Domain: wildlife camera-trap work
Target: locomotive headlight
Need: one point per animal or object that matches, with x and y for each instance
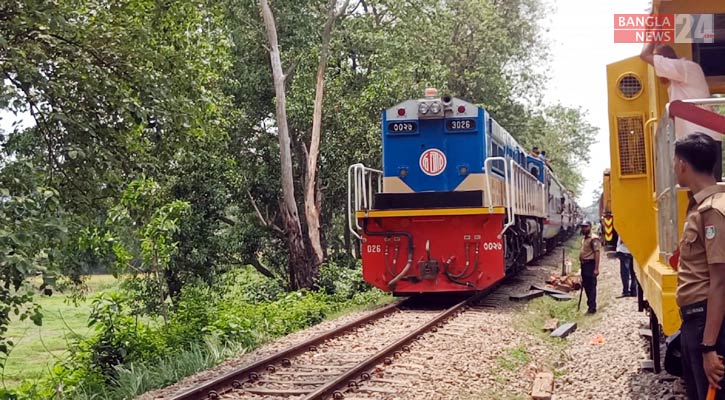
(435, 108)
(423, 108)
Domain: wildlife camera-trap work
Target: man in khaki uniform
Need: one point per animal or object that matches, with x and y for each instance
(589, 258)
(701, 270)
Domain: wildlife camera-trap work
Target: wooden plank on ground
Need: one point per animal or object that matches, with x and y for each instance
(543, 386)
(564, 330)
(526, 296)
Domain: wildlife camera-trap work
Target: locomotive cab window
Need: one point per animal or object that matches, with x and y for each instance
(710, 55)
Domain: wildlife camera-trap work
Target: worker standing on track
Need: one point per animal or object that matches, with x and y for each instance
(701, 271)
(626, 270)
(589, 258)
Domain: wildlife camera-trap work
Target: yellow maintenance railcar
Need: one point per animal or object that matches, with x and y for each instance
(649, 207)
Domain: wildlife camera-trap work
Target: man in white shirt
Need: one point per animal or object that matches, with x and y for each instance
(626, 270)
(686, 81)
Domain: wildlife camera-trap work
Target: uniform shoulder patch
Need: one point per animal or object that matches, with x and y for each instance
(710, 232)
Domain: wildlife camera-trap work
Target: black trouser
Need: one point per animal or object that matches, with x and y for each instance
(626, 271)
(589, 282)
(691, 332)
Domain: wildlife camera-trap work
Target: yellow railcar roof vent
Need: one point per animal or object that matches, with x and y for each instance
(629, 85)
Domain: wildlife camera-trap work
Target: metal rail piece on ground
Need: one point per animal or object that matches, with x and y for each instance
(234, 379)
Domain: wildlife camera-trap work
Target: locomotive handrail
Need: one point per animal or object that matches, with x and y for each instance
(689, 111)
(707, 101)
(359, 180)
(665, 183)
(521, 170)
(665, 194)
(507, 184)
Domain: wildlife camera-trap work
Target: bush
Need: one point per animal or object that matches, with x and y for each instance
(342, 280)
(127, 356)
(248, 285)
(196, 308)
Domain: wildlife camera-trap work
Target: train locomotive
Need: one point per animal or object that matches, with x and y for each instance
(458, 204)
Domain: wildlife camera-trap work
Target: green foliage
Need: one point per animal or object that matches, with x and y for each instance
(127, 355)
(144, 229)
(121, 338)
(152, 153)
(32, 234)
(342, 281)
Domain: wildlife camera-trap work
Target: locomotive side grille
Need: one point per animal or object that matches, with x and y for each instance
(632, 154)
(629, 86)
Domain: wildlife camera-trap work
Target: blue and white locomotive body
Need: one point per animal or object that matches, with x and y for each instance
(460, 202)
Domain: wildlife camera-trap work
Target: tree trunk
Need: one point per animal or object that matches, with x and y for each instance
(312, 204)
(301, 272)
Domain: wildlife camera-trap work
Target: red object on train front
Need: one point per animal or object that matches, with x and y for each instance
(450, 252)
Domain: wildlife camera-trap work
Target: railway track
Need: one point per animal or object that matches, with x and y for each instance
(345, 362)
(327, 366)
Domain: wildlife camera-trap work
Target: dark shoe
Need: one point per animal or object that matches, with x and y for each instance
(632, 294)
(623, 295)
(590, 311)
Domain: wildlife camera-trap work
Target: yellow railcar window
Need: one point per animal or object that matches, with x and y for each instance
(632, 156)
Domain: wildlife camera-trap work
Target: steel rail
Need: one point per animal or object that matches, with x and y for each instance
(235, 379)
(332, 387)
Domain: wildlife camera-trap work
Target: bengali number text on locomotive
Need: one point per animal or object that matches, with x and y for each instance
(402, 127)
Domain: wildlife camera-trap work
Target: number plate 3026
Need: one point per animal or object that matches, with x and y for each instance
(461, 125)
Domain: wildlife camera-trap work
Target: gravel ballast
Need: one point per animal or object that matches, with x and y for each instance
(495, 349)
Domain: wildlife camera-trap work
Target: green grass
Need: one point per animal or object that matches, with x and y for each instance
(514, 358)
(39, 347)
(535, 313)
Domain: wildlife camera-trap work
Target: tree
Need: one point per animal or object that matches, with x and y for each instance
(32, 233)
(563, 132)
(303, 263)
(300, 273)
(312, 199)
(116, 92)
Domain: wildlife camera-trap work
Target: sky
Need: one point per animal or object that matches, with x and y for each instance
(582, 44)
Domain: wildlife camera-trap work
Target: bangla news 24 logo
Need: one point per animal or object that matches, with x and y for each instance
(664, 28)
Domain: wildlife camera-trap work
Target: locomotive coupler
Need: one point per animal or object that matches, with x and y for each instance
(429, 268)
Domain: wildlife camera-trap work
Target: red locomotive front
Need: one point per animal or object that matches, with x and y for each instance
(415, 251)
